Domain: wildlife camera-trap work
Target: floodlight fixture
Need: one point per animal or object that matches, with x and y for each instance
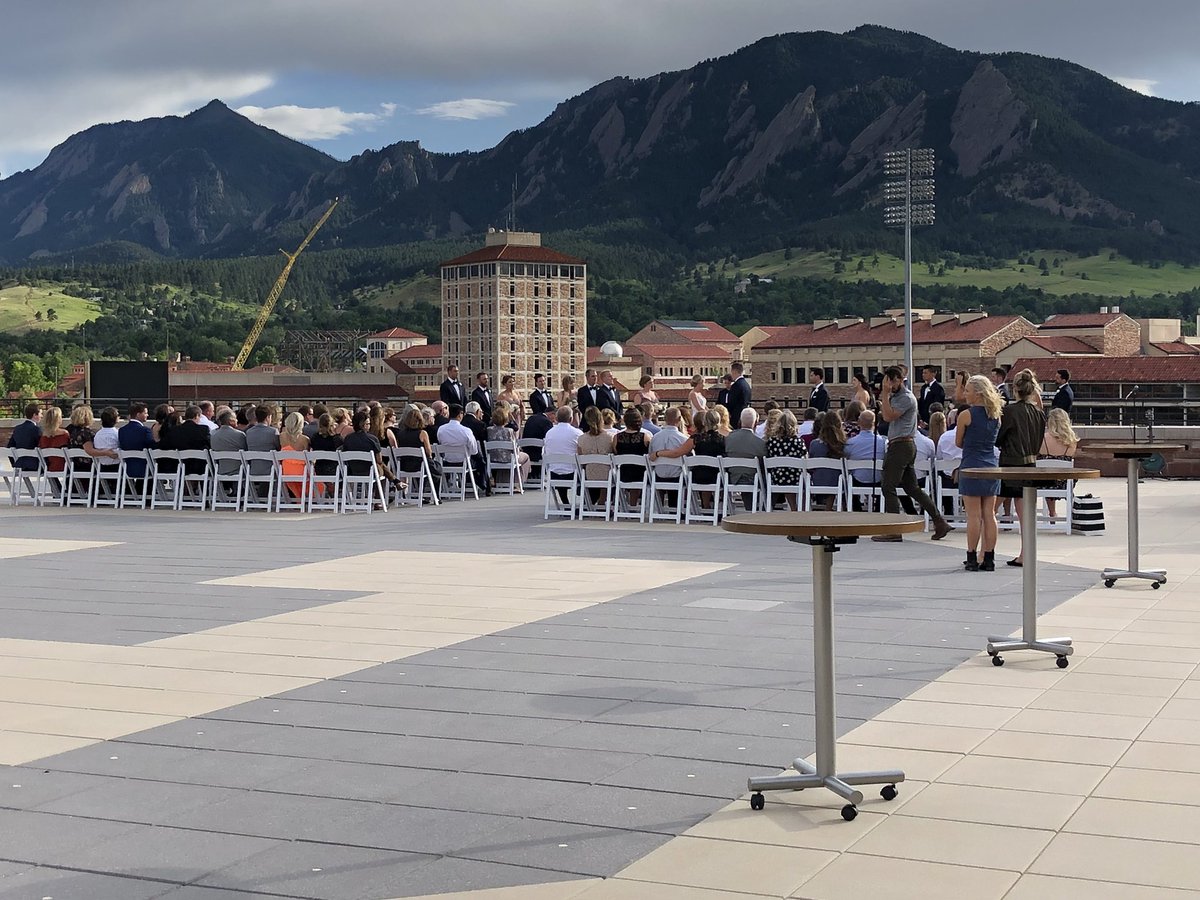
(908, 198)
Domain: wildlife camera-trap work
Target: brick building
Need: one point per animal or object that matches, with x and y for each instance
(418, 370)
(950, 342)
(384, 344)
(514, 306)
(1110, 333)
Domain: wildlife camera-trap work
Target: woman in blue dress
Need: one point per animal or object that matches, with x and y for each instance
(976, 435)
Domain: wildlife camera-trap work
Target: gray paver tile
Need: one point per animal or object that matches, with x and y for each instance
(169, 854)
(684, 776)
(350, 781)
(132, 800)
(64, 884)
(419, 830)
(578, 849)
(610, 806)
(322, 871)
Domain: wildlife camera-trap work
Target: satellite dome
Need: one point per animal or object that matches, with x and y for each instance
(611, 349)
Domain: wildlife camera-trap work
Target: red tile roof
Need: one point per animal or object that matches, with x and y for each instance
(420, 351)
(514, 253)
(1118, 369)
(677, 351)
(700, 331)
(1177, 348)
(399, 366)
(862, 334)
(1081, 320)
(395, 333)
(1061, 343)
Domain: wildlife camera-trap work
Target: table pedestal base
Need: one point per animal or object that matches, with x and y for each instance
(1059, 646)
(824, 773)
(842, 784)
(1132, 569)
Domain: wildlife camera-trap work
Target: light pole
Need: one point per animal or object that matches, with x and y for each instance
(908, 201)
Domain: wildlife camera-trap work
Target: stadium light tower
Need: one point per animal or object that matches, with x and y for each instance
(908, 201)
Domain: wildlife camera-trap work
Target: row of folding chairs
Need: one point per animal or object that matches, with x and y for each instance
(706, 488)
(241, 480)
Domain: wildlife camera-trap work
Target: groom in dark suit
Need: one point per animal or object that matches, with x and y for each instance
(739, 392)
(589, 394)
(540, 400)
(819, 398)
(483, 396)
(452, 392)
(608, 397)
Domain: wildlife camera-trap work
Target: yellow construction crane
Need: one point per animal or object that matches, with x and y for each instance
(269, 304)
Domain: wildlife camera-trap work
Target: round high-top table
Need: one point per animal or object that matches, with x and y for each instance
(825, 532)
(1030, 478)
(1134, 453)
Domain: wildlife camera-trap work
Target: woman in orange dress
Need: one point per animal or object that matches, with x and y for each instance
(292, 438)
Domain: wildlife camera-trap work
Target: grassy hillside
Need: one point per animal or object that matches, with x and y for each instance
(404, 293)
(21, 304)
(1107, 277)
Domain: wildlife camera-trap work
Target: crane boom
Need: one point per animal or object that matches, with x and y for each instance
(273, 297)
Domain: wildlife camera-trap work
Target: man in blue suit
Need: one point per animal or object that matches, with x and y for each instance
(739, 393)
(135, 435)
(26, 436)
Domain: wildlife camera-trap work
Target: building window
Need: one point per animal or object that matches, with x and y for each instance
(512, 362)
(512, 289)
(537, 309)
(572, 292)
(512, 346)
(843, 375)
(828, 374)
(512, 326)
(787, 375)
(535, 290)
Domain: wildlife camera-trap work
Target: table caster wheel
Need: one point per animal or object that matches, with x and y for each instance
(849, 812)
(757, 801)
(992, 652)
(1109, 582)
(1062, 662)
(889, 792)
(997, 659)
(1156, 584)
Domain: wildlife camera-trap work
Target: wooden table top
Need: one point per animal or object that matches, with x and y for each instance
(1029, 473)
(823, 524)
(1129, 449)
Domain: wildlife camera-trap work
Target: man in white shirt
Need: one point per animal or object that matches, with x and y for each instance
(925, 448)
(760, 430)
(456, 440)
(206, 415)
(561, 440)
(809, 423)
(668, 438)
(106, 438)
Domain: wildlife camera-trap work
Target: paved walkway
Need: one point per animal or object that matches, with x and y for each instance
(469, 700)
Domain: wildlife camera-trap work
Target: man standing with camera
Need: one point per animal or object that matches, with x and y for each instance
(898, 407)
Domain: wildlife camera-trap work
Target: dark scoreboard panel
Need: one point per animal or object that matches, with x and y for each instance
(115, 380)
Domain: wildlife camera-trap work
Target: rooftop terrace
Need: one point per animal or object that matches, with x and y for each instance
(470, 702)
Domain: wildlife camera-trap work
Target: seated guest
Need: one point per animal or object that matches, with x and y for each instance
(161, 413)
(501, 431)
(537, 427)
(782, 441)
(808, 423)
(411, 435)
(707, 442)
(135, 436)
(190, 434)
(562, 440)
(27, 434)
(312, 421)
(107, 438)
(724, 426)
(595, 441)
(207, 414)
(670, 437)
(850, 415)
(761, 429)
(292, 439)
(441, 415)
(362, 441)
(53, 437)
(866, 446)
(818, 421)
(743, 443)
(473, 421)
(633, 441)
(228, 438)
(648, 423)
(458, 442)
(830, 443)
(342, 424)
(82, 436)
(608, 422)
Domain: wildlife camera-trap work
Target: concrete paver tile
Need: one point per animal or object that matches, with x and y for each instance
(1025, 774)
(1137, 819)
(853, 876)
(954, 842)
(1039, 887)
(1054, 747)
(993, 806)
(1153, 863)
(944, 738)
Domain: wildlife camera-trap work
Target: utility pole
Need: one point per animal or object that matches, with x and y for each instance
(908, 201)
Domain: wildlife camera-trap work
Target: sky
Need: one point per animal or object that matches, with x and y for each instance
(349, 75)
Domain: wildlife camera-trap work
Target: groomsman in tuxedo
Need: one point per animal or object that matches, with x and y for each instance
(723, 392)
(819, 398)
(483, 396)
(540, 400)
(739, 392)
(608, 397)
(589, 394)
(452, 392)
(931, 392)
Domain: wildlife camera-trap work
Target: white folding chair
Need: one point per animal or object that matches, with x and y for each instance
(944, 479)
(533, 446)
(51, 479)
(106, 482)
(291, 487)
(693, 508)
(816, 472)
(562, 486)
(325, 480)
(81, 478)
(495, 453)
(1064, 495)
(457, 477)
(228, 480)
(133, 490)
(163, 473)
(258, 480)
(193, 481)
(631, 481)
(772, 467)
(735, 487)
(663, 486)
(19, 481)
(871, 494)
(362, 484)
(417, 473)
(589, 507)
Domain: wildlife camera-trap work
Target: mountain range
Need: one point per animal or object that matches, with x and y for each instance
(778, 144)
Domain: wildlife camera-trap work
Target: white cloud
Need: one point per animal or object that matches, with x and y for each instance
(315, 123)
(1141, 85)
(467, 108)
